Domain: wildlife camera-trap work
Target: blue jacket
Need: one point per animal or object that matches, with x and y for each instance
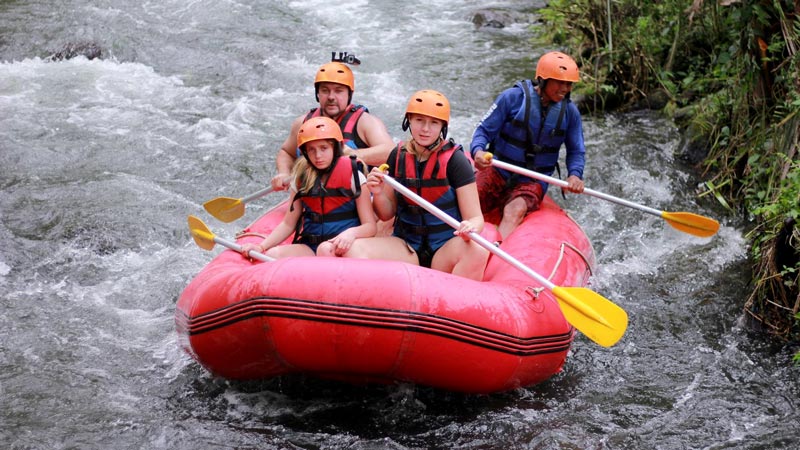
(503, 132)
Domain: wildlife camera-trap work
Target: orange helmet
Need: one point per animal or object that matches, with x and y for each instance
(429, 103)
(557, 66)
(335, 72)
(318, 128)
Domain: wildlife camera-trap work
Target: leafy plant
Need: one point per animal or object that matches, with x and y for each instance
(735, 65)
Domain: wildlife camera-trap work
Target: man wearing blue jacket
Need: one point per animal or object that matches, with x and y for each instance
(526, 126)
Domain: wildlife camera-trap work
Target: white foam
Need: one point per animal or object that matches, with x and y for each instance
(5, 269)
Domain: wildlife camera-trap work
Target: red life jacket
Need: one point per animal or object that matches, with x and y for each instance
(415, 224)
(348, 122)
(329, 210)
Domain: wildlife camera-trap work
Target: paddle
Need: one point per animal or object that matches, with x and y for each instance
(205, 239)
(228, 209)
(684, 221)
(598, 318)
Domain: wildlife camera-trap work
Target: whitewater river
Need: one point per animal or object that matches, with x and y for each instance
(102, 160)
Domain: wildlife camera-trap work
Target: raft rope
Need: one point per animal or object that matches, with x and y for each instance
(245, 233)
(561, 252)
(536, 291)
(561, 257)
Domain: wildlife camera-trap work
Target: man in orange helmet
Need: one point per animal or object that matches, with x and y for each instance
(526, 126)
(364, 134)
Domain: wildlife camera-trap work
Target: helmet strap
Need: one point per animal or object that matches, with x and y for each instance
(436, 144)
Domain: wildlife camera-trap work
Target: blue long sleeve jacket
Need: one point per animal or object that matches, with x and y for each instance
(497, 124)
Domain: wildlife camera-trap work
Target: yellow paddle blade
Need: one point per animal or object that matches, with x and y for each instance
(203, 237)
(692, 223)
(226, 209)
(598, 318)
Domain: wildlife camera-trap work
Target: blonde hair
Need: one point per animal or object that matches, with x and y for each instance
(415, 149)
(306, 175)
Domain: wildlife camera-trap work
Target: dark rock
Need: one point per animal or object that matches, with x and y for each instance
(683, 116)
(500, 18)
(90, 50)
(695, 146)
(657, 99)
(606, 101)
(786, 254)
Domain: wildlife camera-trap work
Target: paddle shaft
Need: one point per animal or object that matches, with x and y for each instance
(258, 194)
(562, 183)
(236, 247)
(205, 238)
(480, 240)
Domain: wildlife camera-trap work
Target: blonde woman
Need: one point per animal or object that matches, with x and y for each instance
(329, 210)
(437, 169)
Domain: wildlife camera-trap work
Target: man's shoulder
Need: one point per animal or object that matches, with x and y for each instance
(512, 94)
(299, 120)
(370, 119)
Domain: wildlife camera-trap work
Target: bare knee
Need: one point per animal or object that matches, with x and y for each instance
(325, 249)
(474, 262)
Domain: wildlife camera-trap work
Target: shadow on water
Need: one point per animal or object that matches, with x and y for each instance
(410, 416)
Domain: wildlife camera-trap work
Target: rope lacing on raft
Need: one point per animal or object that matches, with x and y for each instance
(564, 245)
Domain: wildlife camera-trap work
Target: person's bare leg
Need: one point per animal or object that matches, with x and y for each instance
(389, 247)
(513, 213)
(283, 251)
(462, 258)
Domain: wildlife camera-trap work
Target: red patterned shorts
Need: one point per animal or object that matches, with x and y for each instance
(494, 194)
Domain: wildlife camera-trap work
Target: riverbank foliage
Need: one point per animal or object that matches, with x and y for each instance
(728, 72)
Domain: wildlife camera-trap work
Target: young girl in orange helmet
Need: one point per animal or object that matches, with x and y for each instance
(329, 209)
(438, 170)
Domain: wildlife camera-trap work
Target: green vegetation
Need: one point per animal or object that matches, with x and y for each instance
(728, 72)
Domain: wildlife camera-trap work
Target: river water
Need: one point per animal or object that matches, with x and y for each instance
(102, 160)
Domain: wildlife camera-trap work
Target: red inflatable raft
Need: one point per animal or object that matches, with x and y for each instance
(365, 321)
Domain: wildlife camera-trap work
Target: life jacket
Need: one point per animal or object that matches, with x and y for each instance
(530, 139)
(348, 122)
(328, 210)
(428, 179)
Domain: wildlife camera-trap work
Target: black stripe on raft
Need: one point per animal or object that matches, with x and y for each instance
(373, 318)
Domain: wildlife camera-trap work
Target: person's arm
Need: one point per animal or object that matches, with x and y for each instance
(344, 240)
(462, 178)
(373, 132)
(280, 232)
(470, 207)
(576, 150)
(366, 215)
(384, 201)
(489, 127)
(286, 157)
